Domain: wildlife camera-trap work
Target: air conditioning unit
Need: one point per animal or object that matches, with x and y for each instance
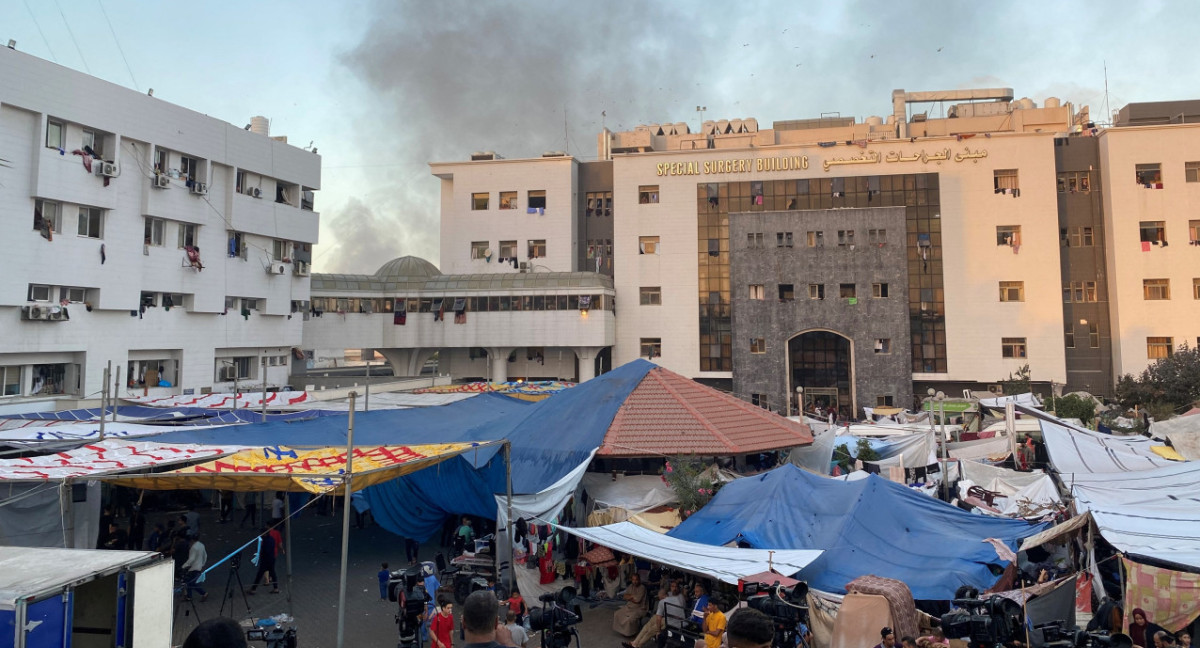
(302, 269)
(254, 192)
(276, 268)
(59, 314)
(229, 372)
(106, 169)
(162, 182)
(199, 188)
(523, 267)
(35, 312)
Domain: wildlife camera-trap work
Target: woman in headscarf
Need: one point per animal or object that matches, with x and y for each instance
(1141, 630)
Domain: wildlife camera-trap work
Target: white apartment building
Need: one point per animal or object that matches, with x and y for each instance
(169, 243)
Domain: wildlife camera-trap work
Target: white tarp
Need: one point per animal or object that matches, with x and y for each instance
(996, 448)
(633, 493)
(1183, 432)
(76, 431)
(1026, 494)
(1075, 450)
(817, 457)
(728, 564)
(244, 400)
(911, 451)
(106, 457)
(1027, 399)
(1154, 513)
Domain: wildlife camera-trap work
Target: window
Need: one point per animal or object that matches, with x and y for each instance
(155, 228)
(173, 300)
(1090, 293)
(537, 248)
(651, 347)
(187, 167)
(1086, 236)
(1069, 335)
(162, 159)
(845, 238)
(93, 141)
(754, 239)
(1158, 348)
(47, 216)
(508, 200)
(816, 291)
(72, 294)
(879, 290)
(537, 199)
(1149, 175)
(1009, 235)
(757, 291)
(1154, 232)
(508, 250)
(816, 239)
(1156, 289)
(280, 250)
(648, 195)
(1094, 335)
(651, 295)
(250, 304)
(787, 292)
(237, 245)
(778, 239)
(479, 249)
(883, 346)
(1012, 347)
(647, 245)
(10, 381)
(187, 235)
(1194, 232)
(479, 201)
(847, 291)
(55, 134)
(1195, 288)
(885, 401)
(758, 345)
(1075, 182)
(758, 400)
(787, 239)
(877, 237)
(1191, 171)
(1005, 181)
(149, 299)
(39, 292)
(1012, 291)
(90, 222)
(599, 203)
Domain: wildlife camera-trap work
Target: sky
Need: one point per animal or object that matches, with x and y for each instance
(384, 87)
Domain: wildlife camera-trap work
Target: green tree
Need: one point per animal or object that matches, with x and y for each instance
(692, 483)
(1173, 381)
(1072, 406)
(1018, 384)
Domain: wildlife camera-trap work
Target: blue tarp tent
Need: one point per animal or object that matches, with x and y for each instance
(870, 526)
(177, 415)
(549, 439)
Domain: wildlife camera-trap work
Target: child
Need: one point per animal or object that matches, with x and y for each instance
(714, 624)
(516, 605)
(441, 627)
(384, 575)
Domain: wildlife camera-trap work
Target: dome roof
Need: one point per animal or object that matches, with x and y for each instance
(406, 267)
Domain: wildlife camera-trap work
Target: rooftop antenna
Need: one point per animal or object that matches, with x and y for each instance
(566, 137)
(701, 110)
(1107, 112)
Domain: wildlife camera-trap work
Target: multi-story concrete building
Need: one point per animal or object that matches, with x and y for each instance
(171, 244)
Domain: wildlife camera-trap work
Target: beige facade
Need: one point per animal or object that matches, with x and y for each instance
(1154, 294)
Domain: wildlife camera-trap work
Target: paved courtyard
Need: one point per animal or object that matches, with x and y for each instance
(313, 595)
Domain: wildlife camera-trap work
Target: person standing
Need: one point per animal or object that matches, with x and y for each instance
(277, 509)
(714, 624)
(197, 557)
(137, 527)
(226, 506)
(481, 625)
(266, 564)
(384, 576)
(250, 501)
(519, 634)
(412, 550)
(441, 626)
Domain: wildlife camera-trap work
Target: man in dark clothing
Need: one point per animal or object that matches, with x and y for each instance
(106, 519)
(156, 537)
(226, 506)
(481, 622)
(250, 501)
(266, 564)
(117, 538)
(137, 528)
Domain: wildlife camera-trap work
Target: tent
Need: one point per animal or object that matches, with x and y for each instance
(1183, 433)
(869, 526)
(914, 450)
(1075, 450)
(1026, 494)
(727, 564)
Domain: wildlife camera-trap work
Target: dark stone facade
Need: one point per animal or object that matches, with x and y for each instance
(769, 261)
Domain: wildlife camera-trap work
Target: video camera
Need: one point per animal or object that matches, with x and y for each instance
(276, 637)
(406, 588)
(1056, 635)
(555, 620)
(786, 606)
(985, 623)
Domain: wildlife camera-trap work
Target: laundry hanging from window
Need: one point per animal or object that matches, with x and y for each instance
(400, 315)
(460, 310)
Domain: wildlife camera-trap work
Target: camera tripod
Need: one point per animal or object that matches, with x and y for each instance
(234, 576)
(189, 610)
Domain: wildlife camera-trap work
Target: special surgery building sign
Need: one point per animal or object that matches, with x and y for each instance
(800, 162)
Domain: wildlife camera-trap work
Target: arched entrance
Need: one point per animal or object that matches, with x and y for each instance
(822, 362)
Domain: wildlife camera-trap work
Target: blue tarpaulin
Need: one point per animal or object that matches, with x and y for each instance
(549, 439)
(176, 415)
(870, 526)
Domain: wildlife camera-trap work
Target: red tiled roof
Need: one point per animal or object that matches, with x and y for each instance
(668, 414)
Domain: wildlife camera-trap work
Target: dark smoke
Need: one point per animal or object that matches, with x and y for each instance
(365, 240)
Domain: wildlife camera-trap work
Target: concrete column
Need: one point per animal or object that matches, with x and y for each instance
(587, 362)
(406, 362)
(498, 362)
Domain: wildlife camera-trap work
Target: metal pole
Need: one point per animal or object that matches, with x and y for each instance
(348, 487)
(508, 534)
(264, 394)
(367, 396)
(104, 398)
(69, 514)
(287, 541)
(116, 392)
(1010, 427)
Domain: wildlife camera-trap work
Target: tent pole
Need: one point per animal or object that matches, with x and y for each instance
(508, 526)
(68, 513)
(264, 393)
(347, 488)
(104, 399)
(287, 540)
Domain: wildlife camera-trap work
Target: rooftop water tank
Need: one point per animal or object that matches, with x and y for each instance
(260, 125)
